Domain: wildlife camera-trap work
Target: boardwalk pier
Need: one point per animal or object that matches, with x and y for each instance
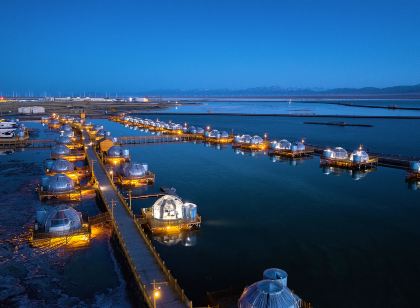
(148, 268)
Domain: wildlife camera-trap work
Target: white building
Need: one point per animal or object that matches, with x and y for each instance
(31, 110)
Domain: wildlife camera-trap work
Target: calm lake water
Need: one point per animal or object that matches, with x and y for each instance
(301, 107)
(344, 242)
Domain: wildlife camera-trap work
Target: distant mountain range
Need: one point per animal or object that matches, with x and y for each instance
(404, 90)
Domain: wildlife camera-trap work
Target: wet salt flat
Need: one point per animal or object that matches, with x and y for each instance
(46, 276)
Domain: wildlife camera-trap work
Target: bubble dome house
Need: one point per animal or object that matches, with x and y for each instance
(58, 219)
(59, 225)
(58, 186)
(254, 143)
(288, 149)
(135, 174)
(339, 157)
(272, 291)
(216, 136)
(62, 151)
(116, 155)
(414, 171)
(169, 214)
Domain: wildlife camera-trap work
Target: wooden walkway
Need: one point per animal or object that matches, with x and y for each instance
(145, 263)
(127, 140)
(28, 143)
(385, 160)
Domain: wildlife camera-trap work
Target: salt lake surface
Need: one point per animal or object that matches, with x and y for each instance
(301, 107)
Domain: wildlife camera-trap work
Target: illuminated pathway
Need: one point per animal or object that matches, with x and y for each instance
(144, 262)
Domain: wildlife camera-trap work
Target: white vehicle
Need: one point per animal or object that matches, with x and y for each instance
(7, 132)
(7, 124)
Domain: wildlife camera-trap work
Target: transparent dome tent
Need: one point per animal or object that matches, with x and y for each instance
(58, 219)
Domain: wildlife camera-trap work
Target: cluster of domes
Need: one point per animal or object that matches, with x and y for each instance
(248, 139)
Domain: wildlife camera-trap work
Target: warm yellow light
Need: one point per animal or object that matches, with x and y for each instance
(156, 293)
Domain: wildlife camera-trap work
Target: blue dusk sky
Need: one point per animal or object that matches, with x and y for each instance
(108, 46)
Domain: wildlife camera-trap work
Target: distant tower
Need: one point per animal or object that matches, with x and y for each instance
(83, 115)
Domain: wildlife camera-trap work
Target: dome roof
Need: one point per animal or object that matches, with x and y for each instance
(103, 133)
(224, 134)
(134, 170)
(168, 207)
(60, 149)
(59, 219)
(118, 151)
(66, 127)
(58, 183)
(281, 145)
(256, 140)
(214, 134)
(298, 146)
(359, 156)
(98, 127)
(67, 133)
(63, 140)
(268, 293)
(62, 165)
(415, 166)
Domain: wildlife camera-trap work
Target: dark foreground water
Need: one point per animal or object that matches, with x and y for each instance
(344, 242)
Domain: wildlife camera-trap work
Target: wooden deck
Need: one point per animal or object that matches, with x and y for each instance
(145, 263)
(155, 139)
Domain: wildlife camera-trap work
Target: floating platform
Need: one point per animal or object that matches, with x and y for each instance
(291, 153)
(225, 140)
(413, 176)
(348, 164)
(75, 195)
(10, 143)
(114, 161)
(136, 182)
(77, 238)
(252, 146)
(158, 226)
(77, 156)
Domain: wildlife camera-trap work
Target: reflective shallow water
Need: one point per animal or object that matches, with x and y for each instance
(343, 241)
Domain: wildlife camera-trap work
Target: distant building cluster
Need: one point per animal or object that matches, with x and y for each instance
(31, 110)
